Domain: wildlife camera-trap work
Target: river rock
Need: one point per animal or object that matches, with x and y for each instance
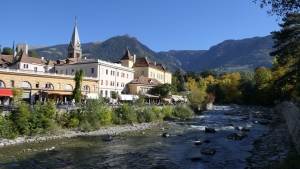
(209, 130)
(236, 136)
(166, 134)
(107, 138)
(207, 150)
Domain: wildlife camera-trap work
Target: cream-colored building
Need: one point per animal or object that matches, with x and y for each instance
(143, 67)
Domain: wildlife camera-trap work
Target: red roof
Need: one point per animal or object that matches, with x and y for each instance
(6, 92)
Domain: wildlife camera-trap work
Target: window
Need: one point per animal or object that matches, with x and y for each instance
(101, 82)
(72, 70)
(118, 74)
(61, 72)
(105, 93)
(94, 88)
(26, 66)
(150, 74)
(37, 85)
(68, 87)
(66, 72)
(143, 73)
(117, 84)
(12, 83)
(101, 92)
(122, 74)
(2, 83)
(106, 72)
(92, 70)
(35, 69)
(18, 66)
(47, 85)
(106, 82)
(58, 85)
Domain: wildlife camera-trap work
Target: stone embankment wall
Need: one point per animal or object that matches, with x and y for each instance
(291, 116)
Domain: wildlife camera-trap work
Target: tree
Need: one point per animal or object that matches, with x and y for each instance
(7, 51)
(287, 51)
(229, 86)
(17, 95)
(180, 76)
(247, 87)
(207, 72)
(163, 90)
(78, 84)
(196, 95)
(114, 95)
(32, 53)
(262, 77)
(280, 7)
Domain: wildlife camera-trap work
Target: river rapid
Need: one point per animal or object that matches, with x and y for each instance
(147, 149)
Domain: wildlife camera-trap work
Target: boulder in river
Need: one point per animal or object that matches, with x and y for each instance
(209, 130)
(236, 136)
(207, 150)
(166, 134)
(107, 138)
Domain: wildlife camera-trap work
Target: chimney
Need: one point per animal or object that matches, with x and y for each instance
(134, 58)
(155, 63)
(42, 57)
(84, 57)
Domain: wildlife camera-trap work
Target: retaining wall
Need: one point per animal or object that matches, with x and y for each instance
(291, 115)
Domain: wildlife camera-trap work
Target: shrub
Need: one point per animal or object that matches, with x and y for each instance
(167, 112)
(124, 114)
(183, 111)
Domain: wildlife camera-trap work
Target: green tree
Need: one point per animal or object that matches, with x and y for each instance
(229, 86)
(114, 95)
(287, 53)
(180, 76)
(207, 72)
(17, 95)
(7, 51)
(32, 53)
(262, 77)
(76, 94)
(280, 7)
(163, 90)
(247, 87)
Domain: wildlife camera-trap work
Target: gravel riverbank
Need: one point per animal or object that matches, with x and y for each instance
(115, 130)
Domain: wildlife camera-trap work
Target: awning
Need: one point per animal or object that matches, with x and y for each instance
(92, 96)
(128, 97)
(151, 96)
(59, 92)
(6, 92)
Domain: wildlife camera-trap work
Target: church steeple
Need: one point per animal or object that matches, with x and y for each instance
(74, 50)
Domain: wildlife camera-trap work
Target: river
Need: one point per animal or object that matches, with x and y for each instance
(145, 149)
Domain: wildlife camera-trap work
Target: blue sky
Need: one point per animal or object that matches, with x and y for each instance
(161, 25)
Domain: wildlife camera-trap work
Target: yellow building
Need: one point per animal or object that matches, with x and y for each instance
(143, 67)
(38, 85)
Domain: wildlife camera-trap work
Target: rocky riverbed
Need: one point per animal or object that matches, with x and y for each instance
(71, 133)
(264, 141)
(272, 147)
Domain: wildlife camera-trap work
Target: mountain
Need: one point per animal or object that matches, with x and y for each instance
(230, 55)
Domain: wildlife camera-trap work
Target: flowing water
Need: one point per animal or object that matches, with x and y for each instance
(144, 149)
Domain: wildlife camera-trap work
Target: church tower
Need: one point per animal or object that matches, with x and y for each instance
(74, 49)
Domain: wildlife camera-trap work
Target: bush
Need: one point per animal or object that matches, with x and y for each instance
(183, 111)
(124, 114)
(167, 112)
(85, 126)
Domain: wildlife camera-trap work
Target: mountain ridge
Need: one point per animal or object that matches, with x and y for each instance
(248, 53)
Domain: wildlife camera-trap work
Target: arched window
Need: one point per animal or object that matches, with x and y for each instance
(68, 87)
(86, 88)
(2, 84)
(48, 85)
(25, 84)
